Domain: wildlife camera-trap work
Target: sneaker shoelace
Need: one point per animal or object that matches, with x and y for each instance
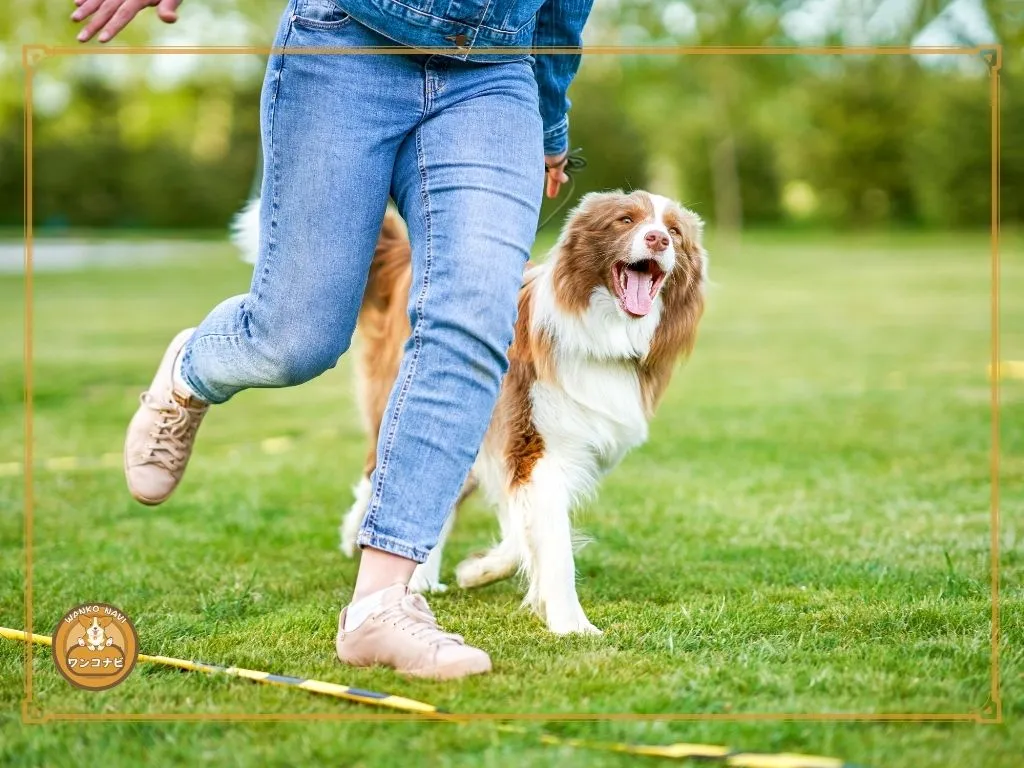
(173, 432)
(413, 615)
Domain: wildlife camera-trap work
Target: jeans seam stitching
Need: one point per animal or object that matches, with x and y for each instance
(432, 17)
(409, 549)
(199, 388)
(385, 453)
(321, 26)
(275, 199)
(186, 359)
(274, 205)
(429, 85)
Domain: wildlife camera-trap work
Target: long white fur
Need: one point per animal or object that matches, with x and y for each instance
(588, 419)
(354, 517)
(245, 230)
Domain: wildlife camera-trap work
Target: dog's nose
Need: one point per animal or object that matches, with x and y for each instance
(656, 241)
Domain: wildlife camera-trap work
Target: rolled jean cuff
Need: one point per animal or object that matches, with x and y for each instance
(394, 546)
(556, 138)
(186, 374)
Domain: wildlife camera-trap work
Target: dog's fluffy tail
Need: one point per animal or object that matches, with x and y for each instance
(245, 230)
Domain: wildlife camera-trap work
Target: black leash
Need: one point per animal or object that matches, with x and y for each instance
(573, 162)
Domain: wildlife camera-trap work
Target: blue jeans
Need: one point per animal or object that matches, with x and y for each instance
(459, 146)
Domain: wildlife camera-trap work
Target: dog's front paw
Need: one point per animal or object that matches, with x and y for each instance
(426, 586)
(482, 568)
(574, 628)
(426, 581)
(571, 623)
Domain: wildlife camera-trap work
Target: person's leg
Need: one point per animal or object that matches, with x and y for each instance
(331, 127)
(468, 183)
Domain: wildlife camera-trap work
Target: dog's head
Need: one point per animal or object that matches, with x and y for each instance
(628, 274)
(95, 629)
(631, 248)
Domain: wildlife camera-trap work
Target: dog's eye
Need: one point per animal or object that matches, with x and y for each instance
(674, 231)
(626, 219)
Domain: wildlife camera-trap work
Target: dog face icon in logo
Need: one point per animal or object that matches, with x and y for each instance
(95, 646)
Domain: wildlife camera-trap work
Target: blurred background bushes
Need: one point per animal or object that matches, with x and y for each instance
(171, 142)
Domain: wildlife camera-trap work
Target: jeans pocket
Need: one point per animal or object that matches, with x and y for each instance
(319, 14)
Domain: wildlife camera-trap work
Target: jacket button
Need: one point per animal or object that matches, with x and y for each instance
(460, 40)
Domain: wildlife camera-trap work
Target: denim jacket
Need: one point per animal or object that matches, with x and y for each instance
(463, 25)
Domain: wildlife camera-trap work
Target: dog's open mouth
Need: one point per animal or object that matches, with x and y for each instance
(636, 285)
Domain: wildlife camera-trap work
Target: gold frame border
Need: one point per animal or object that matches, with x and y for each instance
(990, 712)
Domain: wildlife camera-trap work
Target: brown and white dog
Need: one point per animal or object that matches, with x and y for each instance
(601, 326)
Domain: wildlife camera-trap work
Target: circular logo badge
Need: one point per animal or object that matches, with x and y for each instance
(95, 646)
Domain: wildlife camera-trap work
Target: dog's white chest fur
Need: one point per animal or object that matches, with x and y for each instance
(595, 410)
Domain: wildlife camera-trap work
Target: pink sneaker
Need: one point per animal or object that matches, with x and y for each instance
(162, 432)
(403, 634)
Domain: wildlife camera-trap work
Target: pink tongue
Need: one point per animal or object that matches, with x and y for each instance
(637, 296)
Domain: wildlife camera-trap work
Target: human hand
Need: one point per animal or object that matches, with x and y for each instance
(108, 17)
(555, 175)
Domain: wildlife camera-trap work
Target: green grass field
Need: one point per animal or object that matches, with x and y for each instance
(807, 531)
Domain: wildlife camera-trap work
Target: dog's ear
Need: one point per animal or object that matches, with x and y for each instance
(682, 309)
(589, 213)
(85, 621)
(694, 221)
(594, 200)
(106, 621)
(673, 341)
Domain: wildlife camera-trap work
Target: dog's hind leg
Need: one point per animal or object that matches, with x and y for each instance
(499, 562)
(506, 557)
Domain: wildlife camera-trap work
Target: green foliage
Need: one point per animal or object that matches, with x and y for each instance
(853, 141)
(118, 159)
(948, 175)
(614, 148)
